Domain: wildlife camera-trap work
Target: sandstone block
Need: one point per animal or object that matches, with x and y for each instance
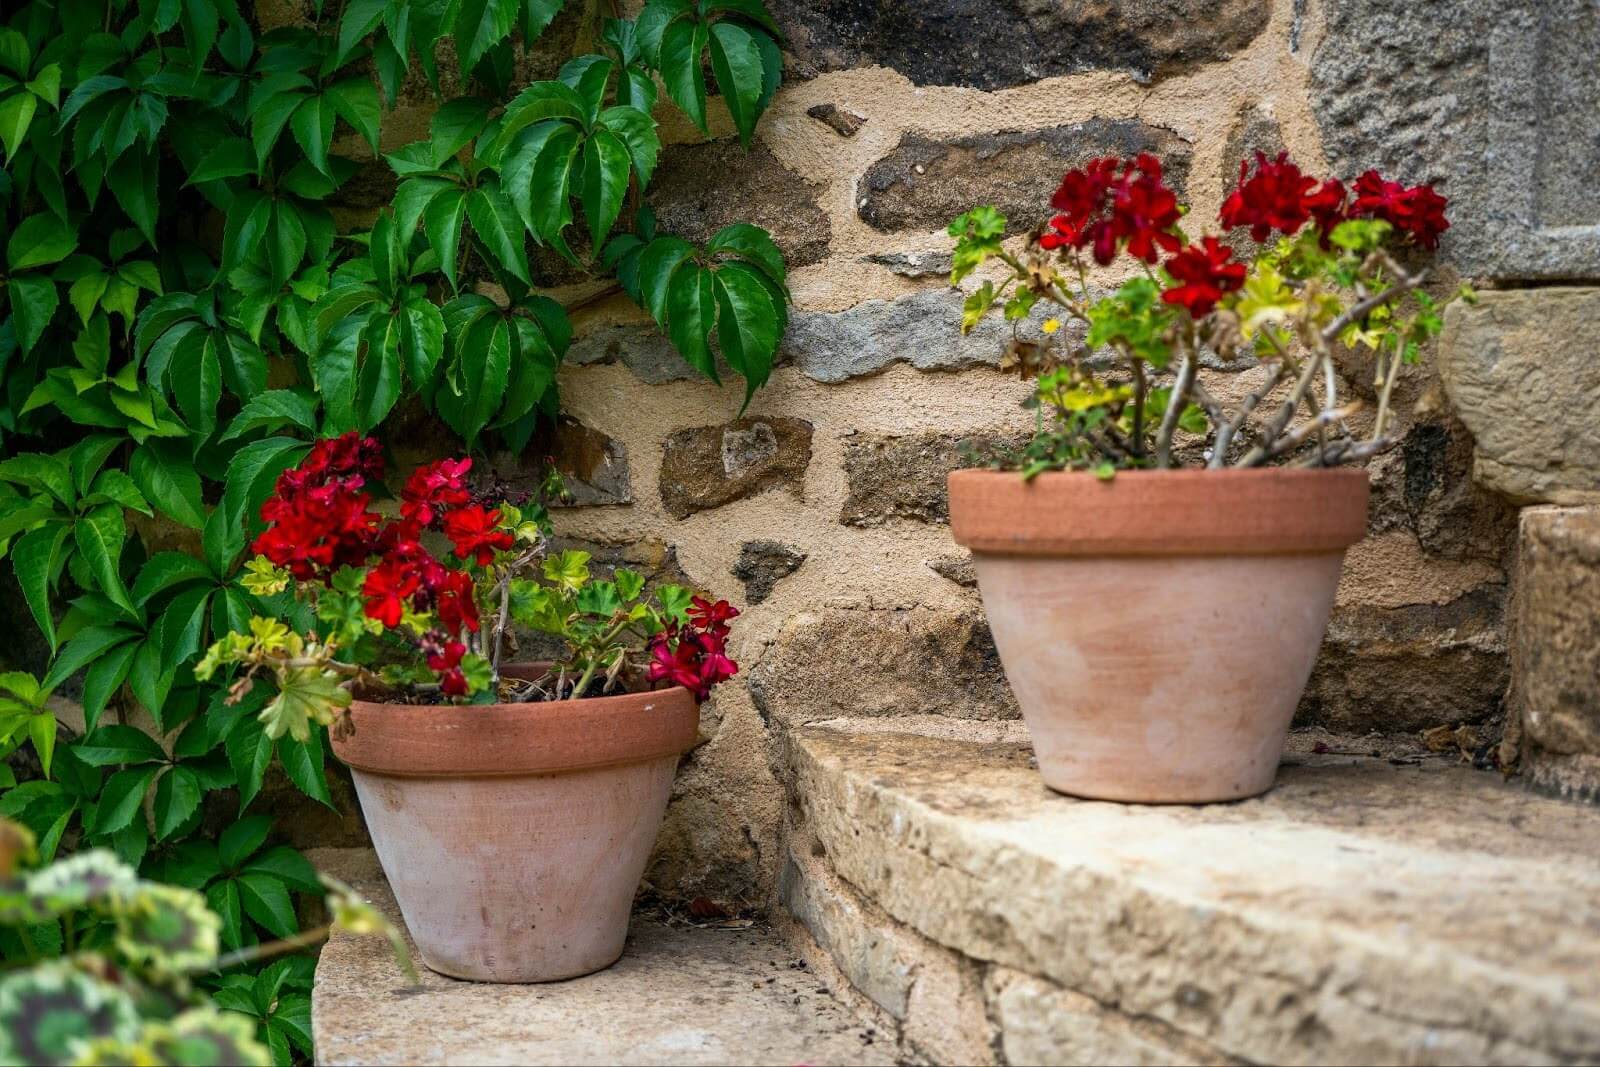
(762, 564)
(904, 477)
(700, 188)
(1520, 369)
(708, 466)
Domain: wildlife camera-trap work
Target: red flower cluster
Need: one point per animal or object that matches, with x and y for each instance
(1110, 203)
(318, 518)
(1206, 274)
(1279, 197)
(1418, 210)
(696, 655)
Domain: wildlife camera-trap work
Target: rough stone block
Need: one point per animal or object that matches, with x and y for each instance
(881, 661)
(762, 565)
(905, 477)
(1430, 912)
(993, 45)
(700, 188)
(1520, 369)
(593, 467)
(1557, 648)
(924, 183)
(708, 466)
(1497, 106)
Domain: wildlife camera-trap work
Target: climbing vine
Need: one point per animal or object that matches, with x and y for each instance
(182, 313)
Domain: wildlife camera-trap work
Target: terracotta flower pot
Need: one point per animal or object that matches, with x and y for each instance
(1158, 628)
(515, 835)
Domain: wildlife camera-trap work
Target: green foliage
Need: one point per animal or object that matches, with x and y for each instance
(181, 312)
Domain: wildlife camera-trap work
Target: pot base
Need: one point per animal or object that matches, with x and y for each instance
(1158, 680)
(518, 879)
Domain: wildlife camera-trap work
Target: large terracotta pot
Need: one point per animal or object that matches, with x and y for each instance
(515, 835)
(1158, 628)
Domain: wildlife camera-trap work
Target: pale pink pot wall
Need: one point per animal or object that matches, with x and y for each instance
(518, 879)
(1158, 628)
(1156, 679)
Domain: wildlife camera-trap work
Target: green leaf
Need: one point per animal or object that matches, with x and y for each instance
(442, 217)
(637, 130)
(381, 372)
(104, 676)
(223, 897)
(360, 18)
(231, 158)
(132, 180)
(747, 324)
(39, 240)
(122, 797)
(150, 680)
(682, 44)
(196, 378)
(167, 478)
(483, 367)
(423, 341)
(691, 314)
(36, 470)
(111, 746)
(16, 115)
(303, 761)
(736, 62)
(177, 799)
(37, 558)
(241, 840)
(287, 866)
(657, 265)
(33, 304)
(99, 534)
(251, 474)
(356, 101)
(606, 162)
(754, 244)
(312, 126)
(42, 732)
(552, 180)
(454, 126)
(481, 25)
(249, 752)
(273, 410)
(266, 900)
(495, 222)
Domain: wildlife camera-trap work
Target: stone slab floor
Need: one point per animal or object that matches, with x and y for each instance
(679, 995)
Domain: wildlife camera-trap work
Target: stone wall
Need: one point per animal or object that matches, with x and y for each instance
(822, 508)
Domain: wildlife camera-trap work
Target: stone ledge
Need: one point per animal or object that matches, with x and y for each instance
(678, 996)
(1360, 912)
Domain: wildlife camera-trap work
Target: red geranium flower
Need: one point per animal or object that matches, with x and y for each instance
(704, 615)
(1144, 212)
(1273, 198)
(386, 588)
(1417, 211)
(1109, 201)
(1206, 274)
(472, 531)
(447, 662)
(434, 489)
(1326, 206)
(455, 602)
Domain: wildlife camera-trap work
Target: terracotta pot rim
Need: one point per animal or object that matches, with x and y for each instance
(1254, 511)
(504, 740)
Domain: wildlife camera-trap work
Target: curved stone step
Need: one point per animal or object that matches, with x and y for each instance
(678, 996)
(1363, 911)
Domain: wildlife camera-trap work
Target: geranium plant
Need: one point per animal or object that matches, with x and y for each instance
(421, 606)
(1330, 269)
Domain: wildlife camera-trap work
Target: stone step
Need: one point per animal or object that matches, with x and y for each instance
(1365, 910)
(679, 995)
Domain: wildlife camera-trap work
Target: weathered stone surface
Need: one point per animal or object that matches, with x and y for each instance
(593, 467)
(1429, 907)
(904, 477)
(1498, 108)
(923, 329)
(1520, 369)
(958, 569)
(843, 122)
(1426, 486)
(881, 661)
(700, 188)
(1040, 1022)
(762, 564)
(996, 45)
(640, 347)
(924, 183)
(1557, 647)
(678, 996)
(924, 264)
(1405, 669)
(708, 466)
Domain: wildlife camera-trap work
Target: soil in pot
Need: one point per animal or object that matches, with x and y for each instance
(1158, 629)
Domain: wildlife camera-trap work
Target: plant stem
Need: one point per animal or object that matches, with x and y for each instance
(1140, 387)
(305, 939)
(1175, 404)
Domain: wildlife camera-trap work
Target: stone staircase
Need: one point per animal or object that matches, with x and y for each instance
(940, 905)
(937, 904)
